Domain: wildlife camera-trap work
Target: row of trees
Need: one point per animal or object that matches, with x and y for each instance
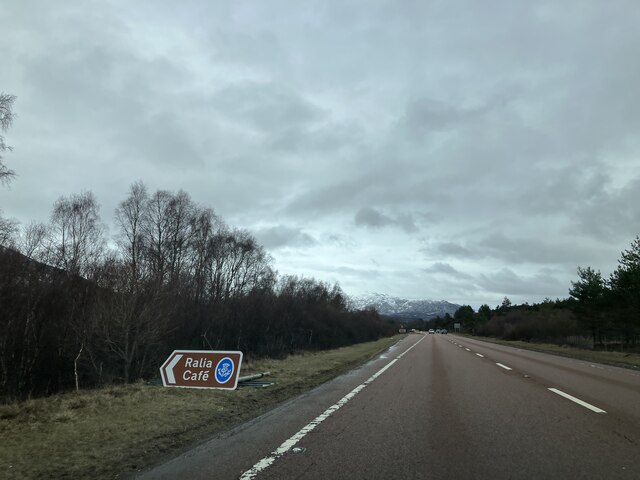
(610, 308)
(75, 310)
(163, 240)
(606, 311)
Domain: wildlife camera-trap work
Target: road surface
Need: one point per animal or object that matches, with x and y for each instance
(440, 407)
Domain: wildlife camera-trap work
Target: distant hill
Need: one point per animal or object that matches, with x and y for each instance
(402, 308)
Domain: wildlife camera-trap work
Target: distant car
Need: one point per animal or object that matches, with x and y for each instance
(438, 331)
(431, 331)
(444, 331)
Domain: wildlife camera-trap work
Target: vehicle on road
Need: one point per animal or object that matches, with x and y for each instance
(431, 331)
(444, 331)
(438, 331)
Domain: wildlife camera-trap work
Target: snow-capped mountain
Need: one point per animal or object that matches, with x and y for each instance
(402, 307)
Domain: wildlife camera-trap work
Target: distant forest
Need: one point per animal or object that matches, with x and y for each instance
(600, 313)
(76, 311)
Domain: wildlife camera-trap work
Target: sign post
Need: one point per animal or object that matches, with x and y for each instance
(202, 369)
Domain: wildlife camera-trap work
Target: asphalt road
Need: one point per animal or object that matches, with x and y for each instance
(440, 407)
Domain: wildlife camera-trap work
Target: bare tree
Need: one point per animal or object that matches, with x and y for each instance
(77, 241)
(132, 218)
(180, 214)
(33, 241)
(242, 263)
(203, 228)
(131, 325)
(6, 119)
(8, 231)
(156, 231)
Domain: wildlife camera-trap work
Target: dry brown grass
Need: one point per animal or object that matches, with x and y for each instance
(102, 433)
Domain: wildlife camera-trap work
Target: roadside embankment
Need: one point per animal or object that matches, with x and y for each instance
(102, 433)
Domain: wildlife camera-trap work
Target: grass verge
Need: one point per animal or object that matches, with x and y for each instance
(616, 359)
(116, 430)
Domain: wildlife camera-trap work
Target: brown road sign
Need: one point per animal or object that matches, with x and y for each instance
(201, 369)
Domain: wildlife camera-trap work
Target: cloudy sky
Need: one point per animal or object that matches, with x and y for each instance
(456, 150)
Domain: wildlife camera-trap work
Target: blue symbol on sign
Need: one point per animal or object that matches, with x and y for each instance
(224, 370)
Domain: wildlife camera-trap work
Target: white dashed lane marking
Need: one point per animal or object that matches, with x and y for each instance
(582, 403)
(577, 400)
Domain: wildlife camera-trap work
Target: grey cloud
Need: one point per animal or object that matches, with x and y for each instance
(456, 290)
(283, 236)
(341, 240)
(407, 223)
(403, 188)
(274, 127)
(260, 51)
(528, 250)
(423, 116)
(506, 281)
(509, 134)
(372, 218)
(357, 272)
(101, 87)
(165, 143)
(268, 107)
(449, 249)
(611, 213)
(322, 139)
(518, 250)
(331, 198)
(564, 188)
(446, 269)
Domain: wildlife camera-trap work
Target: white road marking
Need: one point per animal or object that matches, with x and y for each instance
(467, 349)
(577, 400)
(480, 355)
(460, 346)
(504, 366)
(291, 442)
(407, 350)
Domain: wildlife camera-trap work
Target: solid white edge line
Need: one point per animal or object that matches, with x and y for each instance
(480, 355)
(504, 366)
(407, 350)
(289, 443)
(577, 400)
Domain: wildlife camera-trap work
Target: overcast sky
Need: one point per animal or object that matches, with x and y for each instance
(457, 150)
